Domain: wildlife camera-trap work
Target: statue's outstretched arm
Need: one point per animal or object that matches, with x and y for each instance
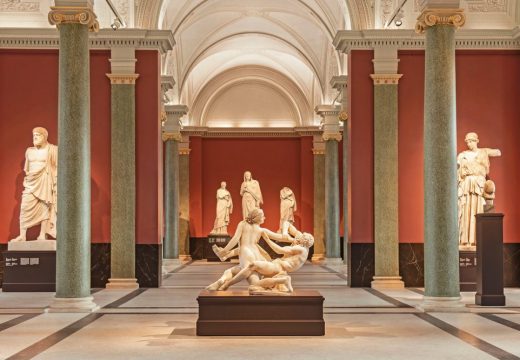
(277, 248)
(235, 239)
(493, 152)
(278, 237)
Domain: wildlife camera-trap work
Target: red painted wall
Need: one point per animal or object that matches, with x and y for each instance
(275, 163)
(362, 146)
(29, 98)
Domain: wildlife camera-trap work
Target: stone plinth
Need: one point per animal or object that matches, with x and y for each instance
(213, 239)
(236, 313)
(29, 271)
(468, 270)
(32, 245)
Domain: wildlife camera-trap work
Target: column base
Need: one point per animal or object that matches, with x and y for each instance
(387, 282)
(168, 265)
(72, 305)
(442, 304)
(333, 261)
(185, 258)
(122, 283)
(318, 259)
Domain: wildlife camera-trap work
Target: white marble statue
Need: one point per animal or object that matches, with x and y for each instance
(251, 194)
(39, 200)
(265, 276)
(287, 206)
(474, 191)
(224, 209)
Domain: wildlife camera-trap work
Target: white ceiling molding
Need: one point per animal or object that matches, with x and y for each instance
(276, 80)
(408, 39)
(161, 40)
(251, 132)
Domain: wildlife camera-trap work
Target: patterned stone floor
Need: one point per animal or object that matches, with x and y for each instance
(160, 324)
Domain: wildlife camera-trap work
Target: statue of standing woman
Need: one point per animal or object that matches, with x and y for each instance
(287, 206)
(224, 208)
(39, 200)
(251, 194)
(474, 189)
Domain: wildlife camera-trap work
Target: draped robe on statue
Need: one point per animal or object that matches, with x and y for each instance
(251, 196)
(224, 208)
(39, 198)
(472, 172)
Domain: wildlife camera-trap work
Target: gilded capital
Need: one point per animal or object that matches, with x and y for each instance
(123, 79)
(386, 79)
(433, 17)
(327, 136)
(184, 151)
(318, 151)
(73, 15)
(175, 136)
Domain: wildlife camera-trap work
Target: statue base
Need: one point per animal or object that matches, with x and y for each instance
(237, 313)
(32, 245)
(213, 239)
(468, 270)
(29, 271)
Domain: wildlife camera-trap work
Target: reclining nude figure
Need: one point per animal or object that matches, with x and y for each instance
(246, 237)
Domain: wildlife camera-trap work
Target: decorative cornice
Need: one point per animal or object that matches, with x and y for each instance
(73, 15)
(339, 82)
(171, 136)
(250, 132)
(433, 17)
(16, 38)
(477, 39)
(184, 151)
(386, 79)
(123, 79)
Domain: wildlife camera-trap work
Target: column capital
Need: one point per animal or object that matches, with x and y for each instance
(184, 145)
(318, 145)
(123, 79)
(432, 17)
(339, 82)
(330, 116)
(74, 15)
(385, 60)
(386, 79)
(171, 128)
(167, 83)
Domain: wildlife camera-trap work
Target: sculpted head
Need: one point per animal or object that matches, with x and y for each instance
(306, 240)
(255, 216)
(247, 176)
(223, 184)
(471, 140)
(40, 136)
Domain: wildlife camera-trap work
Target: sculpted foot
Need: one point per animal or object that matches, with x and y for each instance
(215, 286)
(41, 237)
(218, 251)
(19, 238)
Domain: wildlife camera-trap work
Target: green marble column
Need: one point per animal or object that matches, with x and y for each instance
(184, 205)
(171, 200)
(319, 205)
(73, 223)
(386, 186)
(332, 202)
(123, 188)
(441, 253)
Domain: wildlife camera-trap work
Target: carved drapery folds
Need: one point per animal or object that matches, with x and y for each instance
(433, 17)
(73, 15)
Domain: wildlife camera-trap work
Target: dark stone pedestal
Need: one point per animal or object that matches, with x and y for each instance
(468, 270)
(29, 271)
(220, 241)
(490, 266)
(236, 313)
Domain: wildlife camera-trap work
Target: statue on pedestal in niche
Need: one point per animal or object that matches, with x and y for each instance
(39, 196)
(265, 276)
(475, 191)
(287, 206)
(224, 209)
(251, 194)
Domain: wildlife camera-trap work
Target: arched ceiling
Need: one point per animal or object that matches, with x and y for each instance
(291, 37)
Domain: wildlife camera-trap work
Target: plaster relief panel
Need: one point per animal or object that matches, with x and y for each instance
(487, 5)
(19, 6)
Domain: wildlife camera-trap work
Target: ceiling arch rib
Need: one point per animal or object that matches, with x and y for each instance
(258, 74)
(289, 45)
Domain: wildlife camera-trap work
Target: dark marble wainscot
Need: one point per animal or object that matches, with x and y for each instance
(197, 248)
(99, 264)
(411, 264)
(3, 247)
(512, 265)
(361, 264)
(148, 265)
